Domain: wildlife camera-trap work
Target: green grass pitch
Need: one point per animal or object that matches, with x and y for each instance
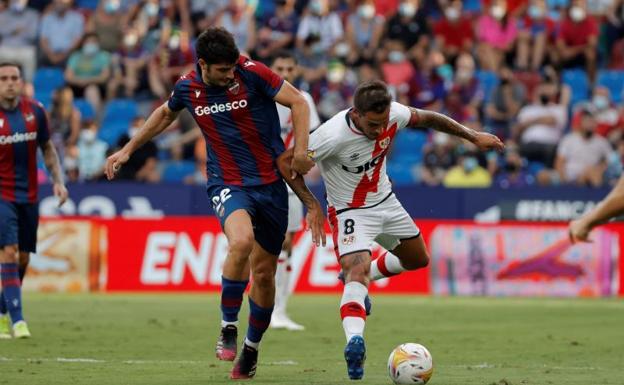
(169, 339)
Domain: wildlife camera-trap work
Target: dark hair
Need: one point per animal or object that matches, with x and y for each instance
(372, 96)
(11, 64)
(284, 54)
(217, 46)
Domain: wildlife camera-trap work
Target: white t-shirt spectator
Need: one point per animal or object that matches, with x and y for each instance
(580, 153)
(542, 133)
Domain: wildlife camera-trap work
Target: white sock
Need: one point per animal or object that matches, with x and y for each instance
(352, 309)
(385, 266)
(227, 323)
(252, 344)
(281, 285)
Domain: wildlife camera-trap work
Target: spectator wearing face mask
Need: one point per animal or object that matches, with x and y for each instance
(91, 154)
(582, 155)
(18, 36)
(467, 84)
(88, 70)
(506, 100)
(540, 127)
(453, 32)
(397, 70)
(428, 87)
(609, 119)
(108, 23)
(143, 164)
(438, 158)
(497, 31)
(410, 26)
(537, 32)
(577, 40)
(364, 32)
(467, 173)
(61, 33)
(175, 58)
(129, 65)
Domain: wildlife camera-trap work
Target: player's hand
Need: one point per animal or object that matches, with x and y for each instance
(60, 191)
(486, 142)
(315, 221)
(579, 231)
(301, 164)
(114, 163)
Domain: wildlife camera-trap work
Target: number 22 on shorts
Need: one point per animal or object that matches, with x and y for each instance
(218, 201)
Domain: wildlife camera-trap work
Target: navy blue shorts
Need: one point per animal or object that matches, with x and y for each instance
(18, 225)
(267, 206)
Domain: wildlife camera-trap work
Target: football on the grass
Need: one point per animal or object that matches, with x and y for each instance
(410, 363)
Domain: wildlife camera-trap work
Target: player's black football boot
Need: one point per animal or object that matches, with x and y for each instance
(226, 344)
(245, 366)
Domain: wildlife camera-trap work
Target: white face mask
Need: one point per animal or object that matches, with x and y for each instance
(342, 49)
(440, 138)
(452, 13)
(601, 102)
(366, 11)
(130, 40)
(88, 136)
(396, 56)
(407, 10)
(498, 12)
(577, 14)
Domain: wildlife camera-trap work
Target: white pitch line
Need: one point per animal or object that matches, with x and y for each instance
(80, 360)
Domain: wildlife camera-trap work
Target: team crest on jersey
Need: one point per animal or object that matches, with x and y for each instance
(384, 143)
(311, 154)
(348, 240)
(234, 88)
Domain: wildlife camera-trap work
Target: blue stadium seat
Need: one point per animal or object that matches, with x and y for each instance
(87, 4)
(400, 173)
(614, 81)
(579, 84)
(48, 79)
(408, 146)
(111, 132)
(120, 110)
(176, 171)
(86, 109)
(488, 80)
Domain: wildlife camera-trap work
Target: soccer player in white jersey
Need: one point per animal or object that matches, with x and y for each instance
(350, 150)
(285, 65)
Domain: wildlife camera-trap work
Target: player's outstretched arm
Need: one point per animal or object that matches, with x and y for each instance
(52, 163)
(314, 218)
(157, 122)
(611, 206)
(443, 123)
(290, 97)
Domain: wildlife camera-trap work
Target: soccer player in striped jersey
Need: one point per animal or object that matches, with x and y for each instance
(285, 65)
(232, 99)
(23, 129)
(350, 150)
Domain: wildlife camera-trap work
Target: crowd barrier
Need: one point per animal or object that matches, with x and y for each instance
(185, 254)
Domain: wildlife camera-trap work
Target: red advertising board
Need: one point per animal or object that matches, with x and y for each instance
(187, 254)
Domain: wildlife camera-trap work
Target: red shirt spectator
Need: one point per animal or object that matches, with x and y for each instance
(455, 34)
(577, 33)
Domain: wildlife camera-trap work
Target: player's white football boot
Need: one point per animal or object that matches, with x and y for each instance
(5, 327)
(20, 330)
(282, 321)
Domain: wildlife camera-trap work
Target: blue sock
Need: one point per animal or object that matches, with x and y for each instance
(259, 320)
(231, 298)
(11, 287)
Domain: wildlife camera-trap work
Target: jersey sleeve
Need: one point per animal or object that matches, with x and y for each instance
(266, 81)
(401, 114)
(176, 99)
(321, 144)
(315, 121)
(43, 130)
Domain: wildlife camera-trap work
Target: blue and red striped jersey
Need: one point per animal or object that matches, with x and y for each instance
(240, 123)
(21, 130)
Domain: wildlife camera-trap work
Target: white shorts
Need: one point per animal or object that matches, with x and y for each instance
(295, 213)
(386, 223)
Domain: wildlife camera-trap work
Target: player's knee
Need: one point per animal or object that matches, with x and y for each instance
(9, 254)
(241, 244)
(264, 276)
(358, 273)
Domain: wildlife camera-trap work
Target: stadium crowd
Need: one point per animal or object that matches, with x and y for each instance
(547, 76)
